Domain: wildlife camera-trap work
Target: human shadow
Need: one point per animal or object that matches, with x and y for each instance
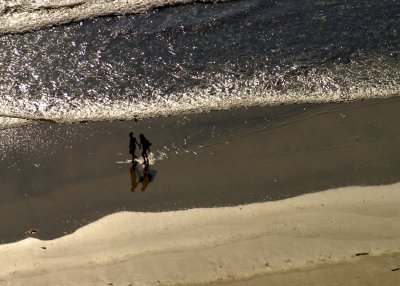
(144, 175)
(134, 176)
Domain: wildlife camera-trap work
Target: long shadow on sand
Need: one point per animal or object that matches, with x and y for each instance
(143, 175)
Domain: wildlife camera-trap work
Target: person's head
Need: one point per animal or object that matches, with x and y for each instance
(130, 134)
(141, 136)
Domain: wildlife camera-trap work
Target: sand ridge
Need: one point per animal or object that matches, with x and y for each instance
(215, 244)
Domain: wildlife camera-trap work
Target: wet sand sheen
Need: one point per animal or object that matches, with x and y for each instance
(75, 178)
(217, 159)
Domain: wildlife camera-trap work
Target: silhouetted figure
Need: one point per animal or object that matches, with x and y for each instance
(134, 181)
(145, 178)
(132, 146)
(145, 145)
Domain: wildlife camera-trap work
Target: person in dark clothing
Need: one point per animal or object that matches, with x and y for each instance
(145, 145)
(132, 146)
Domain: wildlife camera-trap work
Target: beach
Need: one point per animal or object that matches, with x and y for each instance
(274, 139)
(322, 233)
(244, 196)
(378, 270)
(82, 172)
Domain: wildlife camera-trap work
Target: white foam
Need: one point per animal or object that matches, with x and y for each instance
(371, 77)
(221, 93)
(10, 122)
(153, 158)
(18, 16)
(203, 245)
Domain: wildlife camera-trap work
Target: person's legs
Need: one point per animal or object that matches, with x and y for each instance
(147, 156)
(144, 155)
(134, 154)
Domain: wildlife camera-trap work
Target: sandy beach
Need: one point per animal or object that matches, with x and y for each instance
(320, 233)
(274, 132)
(376, 270)
(235, 195)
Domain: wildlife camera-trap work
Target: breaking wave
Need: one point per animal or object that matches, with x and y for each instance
(363, 80)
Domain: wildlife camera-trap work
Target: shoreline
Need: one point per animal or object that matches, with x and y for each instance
(79, 173)
(260, 241)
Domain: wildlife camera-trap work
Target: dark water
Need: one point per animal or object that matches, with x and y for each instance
(199, 57)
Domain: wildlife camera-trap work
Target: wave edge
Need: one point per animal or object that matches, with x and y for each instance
(21, 17)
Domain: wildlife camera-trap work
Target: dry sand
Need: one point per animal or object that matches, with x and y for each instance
(365, 270)
(313, 238)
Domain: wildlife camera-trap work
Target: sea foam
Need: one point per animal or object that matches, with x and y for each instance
(221, 93)
(19, 16)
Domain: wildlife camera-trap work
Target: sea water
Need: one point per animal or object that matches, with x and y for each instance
(75, 60)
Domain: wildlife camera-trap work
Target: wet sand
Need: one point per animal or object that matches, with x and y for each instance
(59, 177)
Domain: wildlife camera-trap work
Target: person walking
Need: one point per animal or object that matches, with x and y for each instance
(132, 146)
(145, 145)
